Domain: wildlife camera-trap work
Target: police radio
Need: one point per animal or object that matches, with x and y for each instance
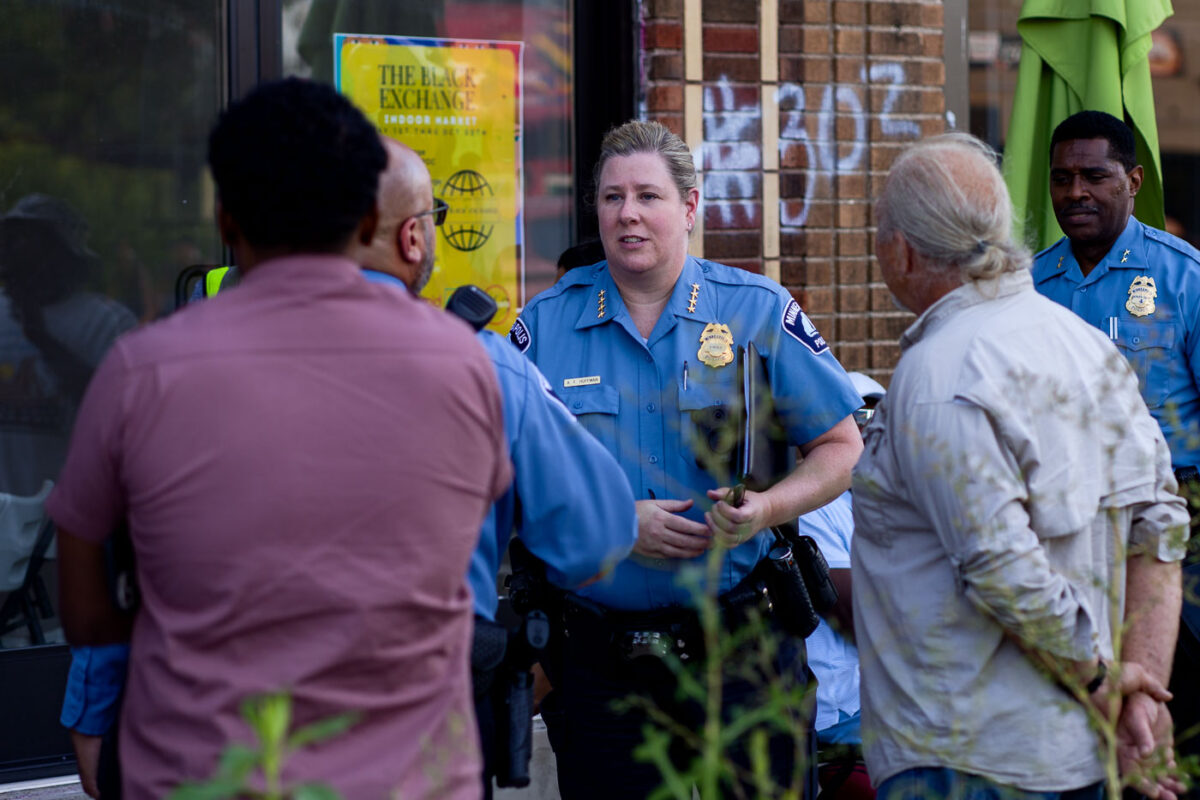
(472, 305)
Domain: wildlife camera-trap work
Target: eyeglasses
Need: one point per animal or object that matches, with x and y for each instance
(439, 211)
(862, 416)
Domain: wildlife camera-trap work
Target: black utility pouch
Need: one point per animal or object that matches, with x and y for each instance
(488, 643)
(815, 570)
(790, 603)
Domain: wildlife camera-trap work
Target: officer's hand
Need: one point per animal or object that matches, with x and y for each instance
(662, 533)
(87, 756)
(733, 526)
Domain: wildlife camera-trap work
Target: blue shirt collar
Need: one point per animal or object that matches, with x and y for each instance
(604, 303)
(1127, 252)
(375, 276)
(689, 299)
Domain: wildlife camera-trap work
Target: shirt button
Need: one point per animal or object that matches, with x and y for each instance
(649, 358)
(1136, 340)
(650, 406)
(577, 404)
(1084, 289)
(653, 459)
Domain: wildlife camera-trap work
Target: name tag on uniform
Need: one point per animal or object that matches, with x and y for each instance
(590, 380)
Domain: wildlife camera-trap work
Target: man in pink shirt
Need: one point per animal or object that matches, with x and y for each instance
(304, 462)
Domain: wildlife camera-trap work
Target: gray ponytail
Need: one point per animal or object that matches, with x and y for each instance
(955, 224)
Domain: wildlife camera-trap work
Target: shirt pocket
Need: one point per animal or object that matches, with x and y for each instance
(596, 408)
(1149, 348)
(708, 426)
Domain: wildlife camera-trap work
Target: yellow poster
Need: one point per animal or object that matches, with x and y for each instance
(457, 102)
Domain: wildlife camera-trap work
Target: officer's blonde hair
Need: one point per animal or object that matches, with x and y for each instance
(946, 196)
(636, 136)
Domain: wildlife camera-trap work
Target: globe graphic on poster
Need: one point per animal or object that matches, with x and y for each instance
(469, 186)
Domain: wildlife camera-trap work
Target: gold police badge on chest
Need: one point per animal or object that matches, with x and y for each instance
(716, 345)
(1141, 296)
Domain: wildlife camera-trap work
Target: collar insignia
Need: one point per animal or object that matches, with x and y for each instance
(1124, 258)
(692, 300)
(1060, 260)
(1141, 296)
(600, 305)
(716, 345)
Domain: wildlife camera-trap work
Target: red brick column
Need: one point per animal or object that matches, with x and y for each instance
(855, 81)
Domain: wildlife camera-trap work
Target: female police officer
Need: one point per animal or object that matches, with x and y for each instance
(633, 346)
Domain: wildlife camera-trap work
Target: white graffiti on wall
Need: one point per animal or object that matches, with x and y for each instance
(731, 156)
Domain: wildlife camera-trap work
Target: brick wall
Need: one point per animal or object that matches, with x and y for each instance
(796, 109)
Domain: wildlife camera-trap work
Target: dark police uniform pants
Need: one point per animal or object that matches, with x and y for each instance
(596, 713)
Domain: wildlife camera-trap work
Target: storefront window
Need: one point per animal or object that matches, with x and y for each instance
(994, 51)
(545, 95)
(103, 121)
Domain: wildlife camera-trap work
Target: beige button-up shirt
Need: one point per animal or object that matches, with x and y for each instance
(1005, 475)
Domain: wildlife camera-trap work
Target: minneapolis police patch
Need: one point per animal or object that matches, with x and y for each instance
(797, 323)
(519, 335)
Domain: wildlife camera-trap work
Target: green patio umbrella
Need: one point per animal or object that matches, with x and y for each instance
(1080, 55)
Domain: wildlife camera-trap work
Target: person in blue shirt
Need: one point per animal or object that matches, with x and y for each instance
(569, 502)
(1140, 286)
(832, 654)
(641, 347)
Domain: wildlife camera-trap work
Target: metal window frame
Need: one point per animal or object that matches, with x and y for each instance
(607, 79)
(958, 74)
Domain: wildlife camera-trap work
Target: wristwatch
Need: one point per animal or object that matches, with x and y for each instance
(1101, 674)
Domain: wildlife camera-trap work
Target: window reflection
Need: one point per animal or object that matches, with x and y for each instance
(104, 195)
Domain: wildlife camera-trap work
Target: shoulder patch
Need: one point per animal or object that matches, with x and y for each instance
(519, 335)
(800, 327)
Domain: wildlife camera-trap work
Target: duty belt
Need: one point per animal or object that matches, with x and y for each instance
(657, 633)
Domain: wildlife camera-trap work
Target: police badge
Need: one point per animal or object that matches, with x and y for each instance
(716, 345)
(1141, 296)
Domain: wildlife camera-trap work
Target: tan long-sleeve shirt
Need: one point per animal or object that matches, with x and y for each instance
(1006, 474)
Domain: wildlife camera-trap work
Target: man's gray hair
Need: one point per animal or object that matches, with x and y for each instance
(947, 197)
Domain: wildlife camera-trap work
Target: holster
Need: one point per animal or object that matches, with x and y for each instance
(791, 603)
(813, 567)
(815, 570)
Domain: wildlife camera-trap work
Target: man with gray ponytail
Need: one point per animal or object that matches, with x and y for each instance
(1009, 479)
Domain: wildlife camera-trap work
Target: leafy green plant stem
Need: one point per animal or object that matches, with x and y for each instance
(711, 623)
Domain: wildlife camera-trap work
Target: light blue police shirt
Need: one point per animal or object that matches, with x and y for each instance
(636, 395)
(831, 657)
(575, 509)
(1145, 296)
(94, 685)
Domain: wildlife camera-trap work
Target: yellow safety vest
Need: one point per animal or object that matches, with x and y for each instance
(214, 279)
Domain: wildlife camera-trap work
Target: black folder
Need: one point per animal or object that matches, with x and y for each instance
(762, 452)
